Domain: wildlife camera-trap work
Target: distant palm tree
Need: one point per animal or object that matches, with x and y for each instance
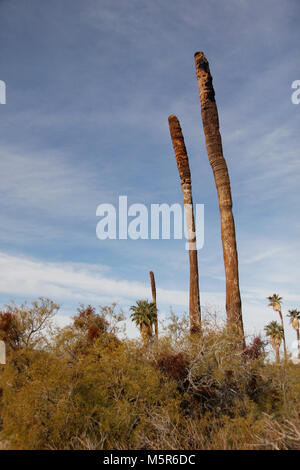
(144, 315)
(294, 316)
(275, 302)
(276, 334)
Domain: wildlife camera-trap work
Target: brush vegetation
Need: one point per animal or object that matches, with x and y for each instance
(84, 387)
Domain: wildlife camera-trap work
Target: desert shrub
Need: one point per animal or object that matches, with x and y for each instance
(106, 397)
(82, 387)
(174, 366)
(255, 350)
(5, 321)
(88, 319)
(26, 326)
(77, 338)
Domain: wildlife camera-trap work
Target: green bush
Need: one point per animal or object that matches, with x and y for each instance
(82, 387)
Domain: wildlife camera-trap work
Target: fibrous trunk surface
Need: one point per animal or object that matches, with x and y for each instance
(186, 186)
(153, 290)
(217, 161)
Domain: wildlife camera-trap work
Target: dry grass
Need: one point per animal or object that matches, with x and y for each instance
(180, 393)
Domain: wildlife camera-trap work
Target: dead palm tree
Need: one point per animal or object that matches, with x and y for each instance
(276, 334)
(186, 186)
(294, 316)
(275, 303)
(153, 289)
(217, 161)
(144, 316)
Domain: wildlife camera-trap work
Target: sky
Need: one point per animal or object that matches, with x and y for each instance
(89, 87)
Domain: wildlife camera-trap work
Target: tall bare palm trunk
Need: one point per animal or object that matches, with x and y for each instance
(153, 289)
(210, 120)
(186, 186)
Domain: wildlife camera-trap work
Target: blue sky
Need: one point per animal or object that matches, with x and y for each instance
(90, 85)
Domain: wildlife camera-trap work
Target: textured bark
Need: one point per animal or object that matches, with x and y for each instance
(153, 289)
(277, 308)
(276, 342)
(146, 333)
(284, 342)
(296, 325)
(186, 186)
(217, 161)
(277, 355)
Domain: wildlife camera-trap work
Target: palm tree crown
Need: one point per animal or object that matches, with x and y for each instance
(294, 316)
(276, 334)
(274, 330)
(275, 302)
(143, 313)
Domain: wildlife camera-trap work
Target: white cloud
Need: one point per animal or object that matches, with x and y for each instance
(82, 283)
(71, 281)
(74, 283)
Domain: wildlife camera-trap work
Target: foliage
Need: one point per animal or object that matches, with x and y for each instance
(294, 316)
(24, 326)
(274, 330)
(144, 314)
(83, 387)
(275, 302)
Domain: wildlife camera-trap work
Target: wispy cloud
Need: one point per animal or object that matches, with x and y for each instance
(71, 281)
(48, 181)
(80, 282)
(71, 284)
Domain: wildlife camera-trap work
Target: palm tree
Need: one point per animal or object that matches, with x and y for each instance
(153, 289)
(217, 161)
(186, 186)
(276, 334)
(294, 316)
(144, 316)
(275, 302)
